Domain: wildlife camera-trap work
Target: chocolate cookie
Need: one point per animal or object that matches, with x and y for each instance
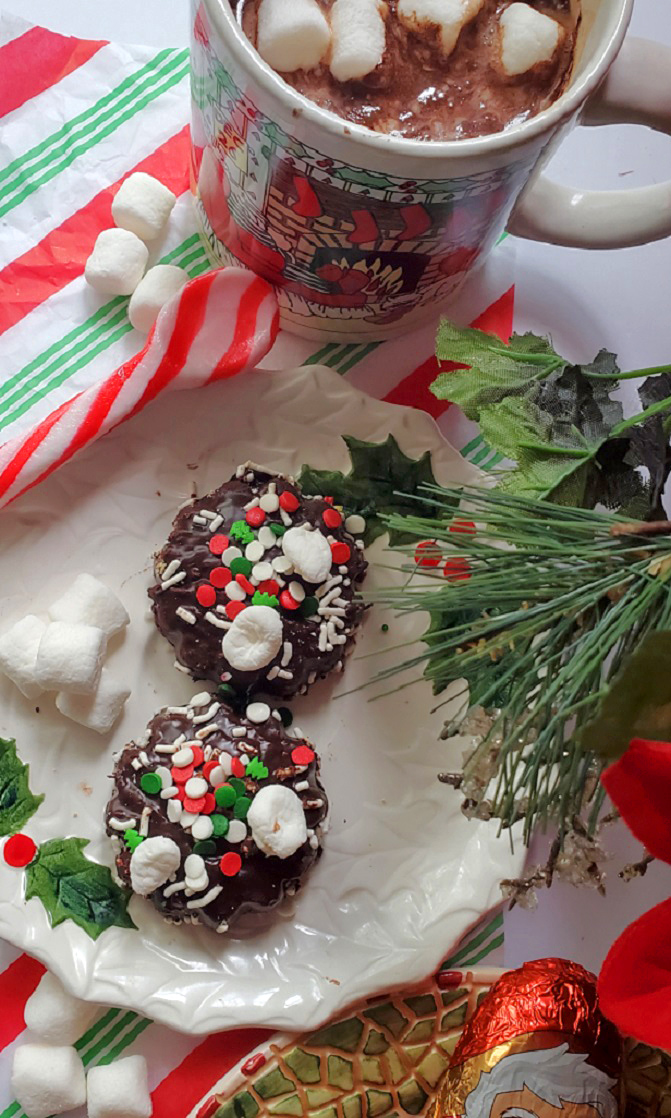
(216, 813)
(257, 585)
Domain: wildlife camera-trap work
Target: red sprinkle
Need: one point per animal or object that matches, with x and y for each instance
(287, 600)
(194, 806)
(233, 609)
(341, 553)
(332, 518)
(255, 517)
(288, 501)
(180, 776)
(206, 595)
(231, 864)
(218, 544)
(302, 755)
(237, 767)
(270, 586)
(220, 577)
(19, 851)
(209, 768)
(465, 526)
(448, 979)
(457, 570)
(430, 560)
(252, 1064)
(181, 794)
(198, 755)
(209, 803)
(246, 585)
(329, 500)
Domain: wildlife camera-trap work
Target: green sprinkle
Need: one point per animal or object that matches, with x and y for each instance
(385, 628)
(226, 689)
(286, 716)
(151, 783)
(264, 599)
(225, 796)
(205, 847)
(241, 531)
(238, 784)
(309, 607)
(242, 806)
(256, 769)
(241, 566)
(132, 838)
(220, 824)
(277, 529)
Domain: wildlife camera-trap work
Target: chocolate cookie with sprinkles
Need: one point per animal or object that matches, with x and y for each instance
(257, 585)
(216, 813)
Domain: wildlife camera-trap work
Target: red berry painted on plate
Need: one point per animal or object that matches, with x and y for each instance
(233, 609)
(302, 755)
(287, 601)
(457, 570)
(231, 864)
(332, 518)
(254, 1063)
(218, 544)
(427, 554)
(220, 577)
(19, 851)
(255, 517)
(341, 553)
(206, 595)
(465, 526)
(288, 501)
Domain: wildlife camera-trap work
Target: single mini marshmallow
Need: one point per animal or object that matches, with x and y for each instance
(70, 657)
(528, 37)
(89, 602)
(99, 711)
(119, 1090)
(449, 17)
(117, 263)
(18, 653)
(254, 638)
(54, 1016)
(153, 862)
(277, 820)
(309, 553)
(359, 38)
(292, 36)
(152, 293)
(142, 205)
(47, 1080)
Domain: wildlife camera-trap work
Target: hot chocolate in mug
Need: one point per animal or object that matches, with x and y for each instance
(364, 234)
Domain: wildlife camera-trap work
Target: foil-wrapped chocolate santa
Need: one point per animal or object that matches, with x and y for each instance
(537, 1047)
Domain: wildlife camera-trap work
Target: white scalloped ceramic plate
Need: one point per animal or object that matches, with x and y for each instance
(403, 873)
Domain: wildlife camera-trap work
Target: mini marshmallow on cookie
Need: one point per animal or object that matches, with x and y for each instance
(359, 38)
(292, 36)
(528, 38)
(448, 17)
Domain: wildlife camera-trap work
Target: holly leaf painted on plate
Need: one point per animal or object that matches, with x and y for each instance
(72, 888)
(382, 480)
(17, 802)
(480, 676)
(637, 703)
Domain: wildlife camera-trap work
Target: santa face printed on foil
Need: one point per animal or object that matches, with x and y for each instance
(547, 1083)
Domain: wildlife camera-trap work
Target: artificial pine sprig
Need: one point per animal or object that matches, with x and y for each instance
(556, 601)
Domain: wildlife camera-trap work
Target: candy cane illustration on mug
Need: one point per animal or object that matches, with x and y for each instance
(216, 326)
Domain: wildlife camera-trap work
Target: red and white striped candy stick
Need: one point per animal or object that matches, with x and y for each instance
(216, 326)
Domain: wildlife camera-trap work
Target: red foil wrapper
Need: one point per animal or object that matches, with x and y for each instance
(537, 1047)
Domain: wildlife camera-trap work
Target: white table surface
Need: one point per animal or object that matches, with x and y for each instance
(586, 300)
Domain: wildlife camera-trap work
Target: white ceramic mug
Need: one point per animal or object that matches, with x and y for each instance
(363, 233)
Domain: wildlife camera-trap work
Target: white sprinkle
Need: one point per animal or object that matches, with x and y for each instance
(237, 831)
(347, 582)
(262, 571)
(170, 792)
(267, 537)
(175, 810)
(200, 520)
(286, 519)
(217, 776)
(287, 653)
(322, 637)
(360, 544)
(328, 586)
(250, 476)
(240, 471)
(177, 710)
(144, 759)
(195, 787)
(201, 699)
(216, 621)
(186, 615)
(273, 673)
(297, 591)
(205, 731)
(171, 569)
(252, 504)
(276, 714)
(226, 762)
(143, 829)
(302, 786)
(258, 712)
(167, 747)
(165, 775)
(284, 674)
(136, 764)
(176, 887)
(282, 564)
(204, 901)
(254, 551)
(270, 502)
(203, 828)
(311, 678)
(216, 523)
(168, 582)
(208, 514)
(235, 592)
(121, 824)
(223, 927)
(298, 733)
(314, 843)
(355, 524)
(188, 818)
(343, 570)
(331, 611)
(182, 758)
(238, 732)
(207, 715)
(230, 554)
(177, 665)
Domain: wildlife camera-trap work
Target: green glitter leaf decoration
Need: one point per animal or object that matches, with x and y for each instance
(72, 888)
(382, 480)
(17, 802)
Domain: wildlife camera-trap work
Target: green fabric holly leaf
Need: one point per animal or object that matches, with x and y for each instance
(637, 703)
(72, 888)
(17, 802)
(382, 480)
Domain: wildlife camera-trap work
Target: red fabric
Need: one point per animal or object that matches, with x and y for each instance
(37, 60)
(415, 390)
(185, 1086)
(60, 257)
(635, 980)
(639, 784)
(17, 983)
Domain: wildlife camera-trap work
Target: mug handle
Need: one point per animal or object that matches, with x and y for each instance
(637, 90)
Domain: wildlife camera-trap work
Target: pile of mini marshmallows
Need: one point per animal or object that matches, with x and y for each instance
(48, 1076)
(352, 36)
(141, 210)
(67, 653)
